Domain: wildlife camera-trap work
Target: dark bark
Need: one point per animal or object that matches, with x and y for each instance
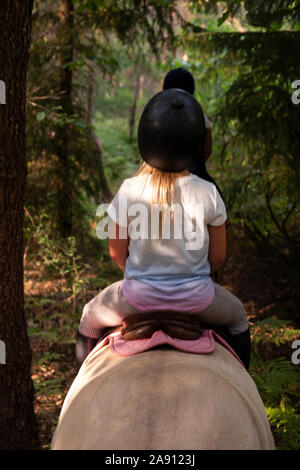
(91, 98)
(64, 133)
(18, 428)
(105, 190)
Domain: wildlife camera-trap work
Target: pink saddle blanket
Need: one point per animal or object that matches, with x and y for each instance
(205, 344)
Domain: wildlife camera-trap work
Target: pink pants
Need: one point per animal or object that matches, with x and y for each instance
(110, 307)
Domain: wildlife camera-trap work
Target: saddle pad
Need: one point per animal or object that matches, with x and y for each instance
(205, 344)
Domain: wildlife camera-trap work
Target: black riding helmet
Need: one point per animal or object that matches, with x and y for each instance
(179, 78)
(171, 130)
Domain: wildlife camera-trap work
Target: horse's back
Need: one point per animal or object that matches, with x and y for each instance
(163, 399)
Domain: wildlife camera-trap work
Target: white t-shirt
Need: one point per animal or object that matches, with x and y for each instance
(178, 258)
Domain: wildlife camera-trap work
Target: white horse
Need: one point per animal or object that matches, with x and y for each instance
(163, 399)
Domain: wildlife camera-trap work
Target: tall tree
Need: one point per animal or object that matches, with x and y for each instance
(63, 134)
(17, 423)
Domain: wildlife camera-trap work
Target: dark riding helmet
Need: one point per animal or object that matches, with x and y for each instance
(171, 131)
(179, 78)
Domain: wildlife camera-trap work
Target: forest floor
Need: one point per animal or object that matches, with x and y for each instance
(53, 347)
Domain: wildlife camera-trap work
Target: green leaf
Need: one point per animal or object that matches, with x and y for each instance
(40, 116)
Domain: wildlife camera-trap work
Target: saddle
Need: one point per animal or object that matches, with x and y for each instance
(181, 325)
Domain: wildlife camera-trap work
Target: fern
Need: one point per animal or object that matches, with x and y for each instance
(275, 379)
(49, 386)
(285, 426)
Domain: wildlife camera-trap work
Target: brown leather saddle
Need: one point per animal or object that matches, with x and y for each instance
(182, 325)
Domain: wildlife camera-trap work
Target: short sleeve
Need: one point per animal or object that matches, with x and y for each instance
(117, 209)
(219, 215)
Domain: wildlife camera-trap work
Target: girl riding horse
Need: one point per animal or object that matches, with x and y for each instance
(169, 251)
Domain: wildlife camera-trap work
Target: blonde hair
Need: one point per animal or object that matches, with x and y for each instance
(162, 183)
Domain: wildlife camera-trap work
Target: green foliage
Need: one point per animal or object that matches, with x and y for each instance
(244, 70)
(67, 55)
(278, 383)
(49, 357)
(269, 14)
(275, 331)
(113, 102)
(285, 426)
(120, 157)
(131, 22)
(49, 386)
(57, 261)
(272, 14)
(275, 379)
(58, 257)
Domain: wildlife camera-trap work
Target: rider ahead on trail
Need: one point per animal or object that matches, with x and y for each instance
(167, 232)
(183, 79)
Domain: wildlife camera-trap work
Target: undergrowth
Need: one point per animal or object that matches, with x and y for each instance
(277, 379)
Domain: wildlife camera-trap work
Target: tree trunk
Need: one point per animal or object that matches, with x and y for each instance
(17, 423)
(91, 98)
(134, 104)
(63, 134)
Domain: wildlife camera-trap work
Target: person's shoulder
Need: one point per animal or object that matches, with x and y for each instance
(200, 189)
(200, 182)
(136, 181)
(133, 184)
(136, 178)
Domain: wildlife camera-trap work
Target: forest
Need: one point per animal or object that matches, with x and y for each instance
(75, 77)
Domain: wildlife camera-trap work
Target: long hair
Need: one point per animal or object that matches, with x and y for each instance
(162, 183)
